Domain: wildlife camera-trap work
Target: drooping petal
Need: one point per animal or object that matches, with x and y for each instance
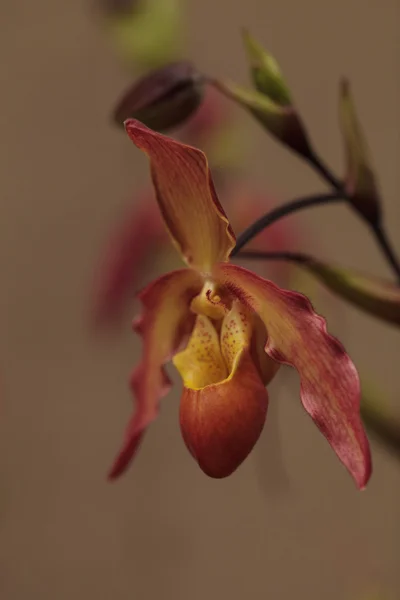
(224, 401)
(141, 231)
(165, 321)
(330, 388)
(186, 196)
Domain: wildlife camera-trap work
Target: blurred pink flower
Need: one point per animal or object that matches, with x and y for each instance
(130, 247)
(214, 113)
(245, 204)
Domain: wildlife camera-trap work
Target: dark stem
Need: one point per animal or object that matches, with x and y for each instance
(377, 228)
(282, 211)
(327, 175)
(387, 250)
(318, 164)
(296, 257)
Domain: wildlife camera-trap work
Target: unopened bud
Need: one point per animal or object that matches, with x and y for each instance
(164, 98)
(266, 74)
(360, 182)
(283, 122)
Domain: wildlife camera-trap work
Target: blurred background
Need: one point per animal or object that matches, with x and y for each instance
(289, 523)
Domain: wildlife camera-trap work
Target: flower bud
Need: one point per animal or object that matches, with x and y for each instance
(145, 34)
(360, 181)
(266, 74)
(282, 122)
(164, 98)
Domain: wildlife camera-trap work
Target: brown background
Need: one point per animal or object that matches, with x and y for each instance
(165, 530)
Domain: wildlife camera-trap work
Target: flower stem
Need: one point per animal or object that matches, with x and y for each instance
(377, 228)
(325, 172)
(296, 257)
(387, 250)
(282, 211)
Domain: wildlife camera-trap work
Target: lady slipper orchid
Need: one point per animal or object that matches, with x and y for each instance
(214, 320)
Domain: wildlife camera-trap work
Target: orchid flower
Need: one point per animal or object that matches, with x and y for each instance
(227, 331)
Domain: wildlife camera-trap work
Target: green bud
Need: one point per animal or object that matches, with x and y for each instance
(148, 33)
(164, 98)
(282, 122)
(266, 73)
(360, 182)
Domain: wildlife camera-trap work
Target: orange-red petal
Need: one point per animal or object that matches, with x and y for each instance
(222, 422)
(186, 196)
(297, 336)
(165, 321)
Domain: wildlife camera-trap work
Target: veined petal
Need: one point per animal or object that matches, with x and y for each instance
(297, 336)
(186, 196)
(224, 400)
(165, 321)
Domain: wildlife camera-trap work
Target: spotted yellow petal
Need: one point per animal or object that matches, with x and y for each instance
(224, 401)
